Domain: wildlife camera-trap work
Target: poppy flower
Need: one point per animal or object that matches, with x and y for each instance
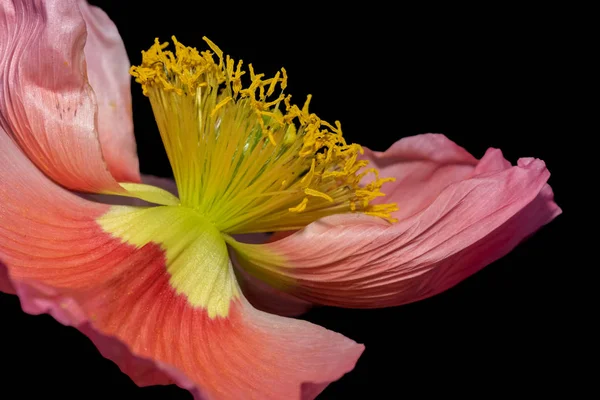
(171, 290)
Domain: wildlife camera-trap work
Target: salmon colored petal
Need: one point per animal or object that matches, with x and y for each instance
(62, 260)
(46, 103)
(362, 262)
(108, 74)
(423, 165)
(312, 356)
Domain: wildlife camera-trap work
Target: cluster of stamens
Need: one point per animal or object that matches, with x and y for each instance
(241, 160)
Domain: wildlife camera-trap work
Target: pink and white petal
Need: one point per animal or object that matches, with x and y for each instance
(61, 261)
(46, 103)
(108, 74)
(362, 262)
(423, 166)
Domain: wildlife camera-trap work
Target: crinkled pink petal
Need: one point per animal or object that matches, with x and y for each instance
(61, 261)
(108, 74)
(359, 261)
(423, 165)
(46, 103)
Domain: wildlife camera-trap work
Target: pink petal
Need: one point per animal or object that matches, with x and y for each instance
(46, 103)
(423, 165)
(108, 74)
(362, 262)
(60, 261)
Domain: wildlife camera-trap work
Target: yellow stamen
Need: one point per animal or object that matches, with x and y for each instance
(316, 193)
(300, 207)
(244, 157)
(221, 104)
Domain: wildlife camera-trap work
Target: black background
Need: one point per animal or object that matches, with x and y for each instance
(485, 78)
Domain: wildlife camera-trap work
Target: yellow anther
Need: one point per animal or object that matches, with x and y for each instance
(273, 115)
(300, 207)
(306, 104)
(311, 173)
(273, 84)
(284, 79)
(220, 105)
(230, 65)
(316, 193)
(214, 47)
